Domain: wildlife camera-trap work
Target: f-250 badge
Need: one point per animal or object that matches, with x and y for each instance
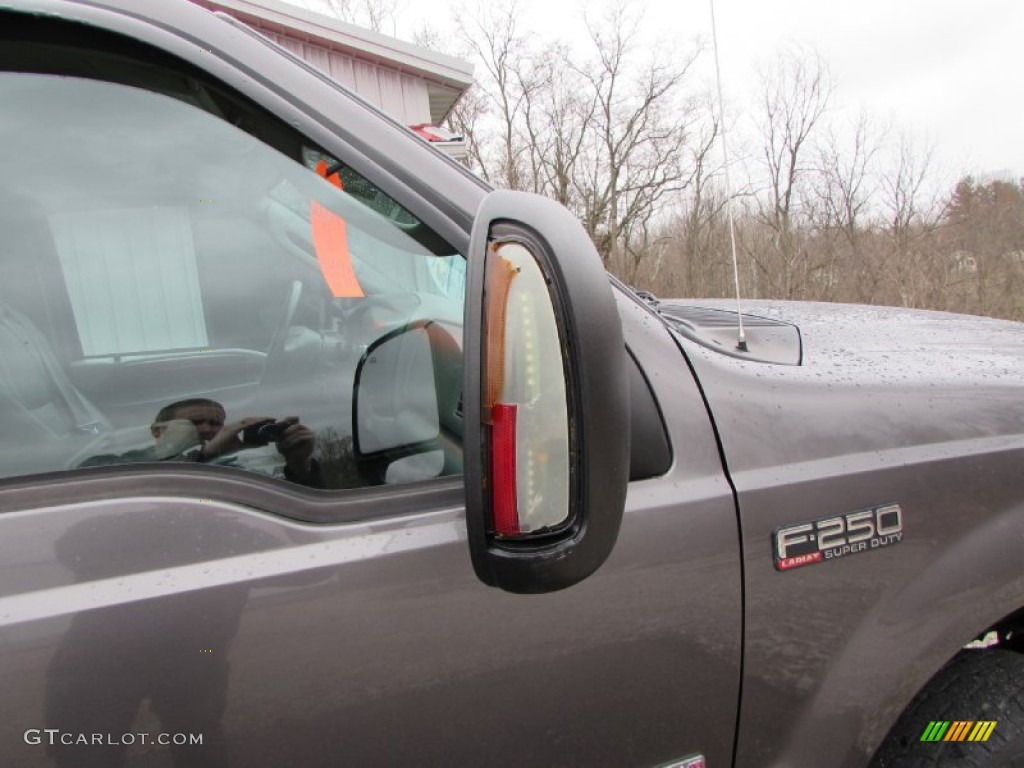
(833, 537)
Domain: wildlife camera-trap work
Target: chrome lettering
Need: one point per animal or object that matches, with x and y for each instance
(860, 526)
(789, 537)
(893, 522)
(830, 533)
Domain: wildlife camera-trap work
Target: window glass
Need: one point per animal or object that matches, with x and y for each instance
(186, 280)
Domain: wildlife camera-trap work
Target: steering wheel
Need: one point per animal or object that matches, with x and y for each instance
(372, 316)
(275, 352)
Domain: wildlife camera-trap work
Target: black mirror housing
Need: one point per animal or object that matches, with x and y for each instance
(581, 439)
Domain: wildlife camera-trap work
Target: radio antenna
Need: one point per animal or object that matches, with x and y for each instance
(741, 340)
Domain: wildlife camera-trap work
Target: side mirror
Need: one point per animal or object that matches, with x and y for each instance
(398, 433)
(546, 436)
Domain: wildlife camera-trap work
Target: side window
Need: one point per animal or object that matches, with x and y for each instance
(186, 279)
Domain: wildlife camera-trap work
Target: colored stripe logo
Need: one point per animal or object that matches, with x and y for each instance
(958, 730)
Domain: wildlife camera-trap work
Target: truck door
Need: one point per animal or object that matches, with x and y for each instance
(183, 269)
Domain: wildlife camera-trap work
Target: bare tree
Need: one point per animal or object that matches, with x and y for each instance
(558, 119)
(615, 134)
(637, 123)
(909, 215)
(844, 188)
(794, 95)
(904, 193)
(604, 133)
(846, 176)
(691, 252)
(492, 37)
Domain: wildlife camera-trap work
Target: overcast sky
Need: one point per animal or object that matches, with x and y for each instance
(949, 72)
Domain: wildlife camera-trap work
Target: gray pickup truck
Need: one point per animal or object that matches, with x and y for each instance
(315, 450)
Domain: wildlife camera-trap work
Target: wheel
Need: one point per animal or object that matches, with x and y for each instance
(977, 685)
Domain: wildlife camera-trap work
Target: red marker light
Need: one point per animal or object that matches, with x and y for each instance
(503, 469)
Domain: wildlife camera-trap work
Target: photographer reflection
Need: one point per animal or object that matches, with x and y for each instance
(171, 651)
(197, 430)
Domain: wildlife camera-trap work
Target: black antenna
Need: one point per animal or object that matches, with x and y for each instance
(741, 340)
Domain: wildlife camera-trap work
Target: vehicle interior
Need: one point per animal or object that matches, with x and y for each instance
(164, 240)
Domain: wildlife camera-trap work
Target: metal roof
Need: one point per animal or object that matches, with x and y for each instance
(447, 77)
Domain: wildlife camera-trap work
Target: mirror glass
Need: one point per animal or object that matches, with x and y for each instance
(420, 466)
(396, 395)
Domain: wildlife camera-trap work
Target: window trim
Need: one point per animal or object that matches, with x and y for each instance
(272, 495)
(261, 493)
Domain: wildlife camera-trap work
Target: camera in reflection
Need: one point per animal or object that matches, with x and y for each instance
(263, 433)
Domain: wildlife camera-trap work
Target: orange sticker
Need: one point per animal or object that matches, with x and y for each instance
(330, 242)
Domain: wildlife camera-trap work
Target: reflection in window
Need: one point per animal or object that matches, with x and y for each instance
(159, 256)
(131, 278)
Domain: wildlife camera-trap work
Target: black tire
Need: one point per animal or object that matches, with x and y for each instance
(976, 685)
